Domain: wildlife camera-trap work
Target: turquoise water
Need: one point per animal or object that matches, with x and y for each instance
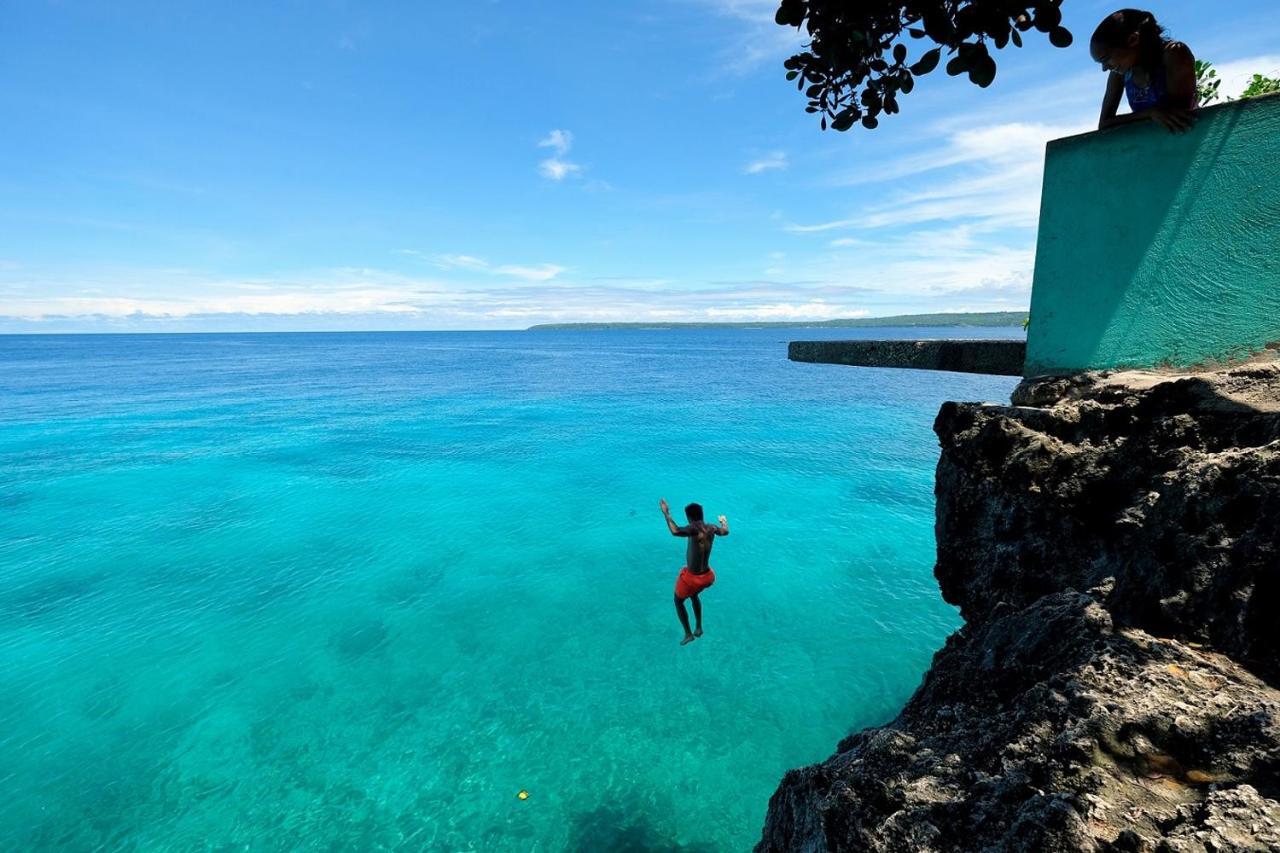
(356, 591)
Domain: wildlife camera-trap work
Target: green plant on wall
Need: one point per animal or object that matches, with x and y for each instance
(1260, 85)
(1207, 83)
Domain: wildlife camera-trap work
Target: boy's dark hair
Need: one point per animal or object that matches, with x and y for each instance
(693, 512)
(1116, 28)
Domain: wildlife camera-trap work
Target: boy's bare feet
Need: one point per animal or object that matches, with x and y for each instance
(698, 631)
(688, 638)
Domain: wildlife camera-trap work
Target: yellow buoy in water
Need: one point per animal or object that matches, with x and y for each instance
(524, 795)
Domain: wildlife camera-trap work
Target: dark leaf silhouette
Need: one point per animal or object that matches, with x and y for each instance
(1060, 37)
(853, 65)
(928, 62)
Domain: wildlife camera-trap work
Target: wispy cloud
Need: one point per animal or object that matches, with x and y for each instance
(557, 170)
(560, 140)
(986, 178)
(470, 263)
(541, 272)
(772, 160)
(821, 226)
(287, 298)
(758, 40)
(374, 299)
(557, 167)
(816, 309)
(456, 262)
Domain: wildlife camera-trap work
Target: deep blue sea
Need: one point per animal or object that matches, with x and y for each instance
(357, 591)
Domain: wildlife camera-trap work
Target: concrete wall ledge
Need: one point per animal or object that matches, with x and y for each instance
(997, 358)
(1159, 250)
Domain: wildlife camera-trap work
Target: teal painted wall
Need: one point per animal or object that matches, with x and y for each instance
(1156, 249)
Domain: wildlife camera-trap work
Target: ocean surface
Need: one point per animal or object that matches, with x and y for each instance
(357, 591)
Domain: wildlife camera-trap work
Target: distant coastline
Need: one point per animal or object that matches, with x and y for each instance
(987, 319)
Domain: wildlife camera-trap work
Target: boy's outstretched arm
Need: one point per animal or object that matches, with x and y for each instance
(723, 529)
(671, 525)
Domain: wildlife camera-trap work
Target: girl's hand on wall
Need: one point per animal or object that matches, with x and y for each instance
(1175, 121)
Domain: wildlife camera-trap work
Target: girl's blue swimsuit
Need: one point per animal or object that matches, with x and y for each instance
(1145, 97)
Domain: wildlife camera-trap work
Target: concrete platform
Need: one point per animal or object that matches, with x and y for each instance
(997, 358)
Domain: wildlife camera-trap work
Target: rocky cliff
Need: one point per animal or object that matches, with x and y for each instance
(1111, 541)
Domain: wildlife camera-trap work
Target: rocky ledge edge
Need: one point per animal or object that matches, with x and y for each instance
(1111, 542)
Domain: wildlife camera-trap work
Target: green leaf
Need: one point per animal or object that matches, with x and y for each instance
(900, 53)
(983, 72)
(790, 13)
(1048, 18)
(1060, 37)
(928, 62)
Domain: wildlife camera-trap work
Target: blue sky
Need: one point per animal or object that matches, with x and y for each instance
(306, 165)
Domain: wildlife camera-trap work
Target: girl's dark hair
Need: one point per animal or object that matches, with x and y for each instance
(1116, 28)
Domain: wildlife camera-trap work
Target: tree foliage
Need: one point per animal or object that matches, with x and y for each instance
(1207, 83)
(855, 65)
(1261, 85)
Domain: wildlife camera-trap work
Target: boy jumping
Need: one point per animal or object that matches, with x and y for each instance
(696, 575)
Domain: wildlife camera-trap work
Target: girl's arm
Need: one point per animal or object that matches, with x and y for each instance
(1111, 101)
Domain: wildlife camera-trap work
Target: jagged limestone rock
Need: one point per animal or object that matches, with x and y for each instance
(1112, 543)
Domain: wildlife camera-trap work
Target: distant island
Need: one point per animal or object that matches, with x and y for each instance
(988, 319)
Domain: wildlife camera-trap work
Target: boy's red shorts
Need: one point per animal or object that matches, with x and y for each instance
(687, 583)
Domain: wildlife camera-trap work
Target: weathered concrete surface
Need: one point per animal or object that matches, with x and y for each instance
(996, 357)
(1113, 542)
(1171, 258)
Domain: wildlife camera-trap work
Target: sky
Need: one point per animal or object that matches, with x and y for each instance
(220, 166)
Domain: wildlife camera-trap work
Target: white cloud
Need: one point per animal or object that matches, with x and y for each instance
(772, 160)
(754, 11)
(560, 140)
(786, 311)
(758, 40)
(992, 145)
(821, 226)
(287, 300)
(989, 178)
(542, 272)
(557, 168)
(470, 263)
(372, 299)
(466, 262)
